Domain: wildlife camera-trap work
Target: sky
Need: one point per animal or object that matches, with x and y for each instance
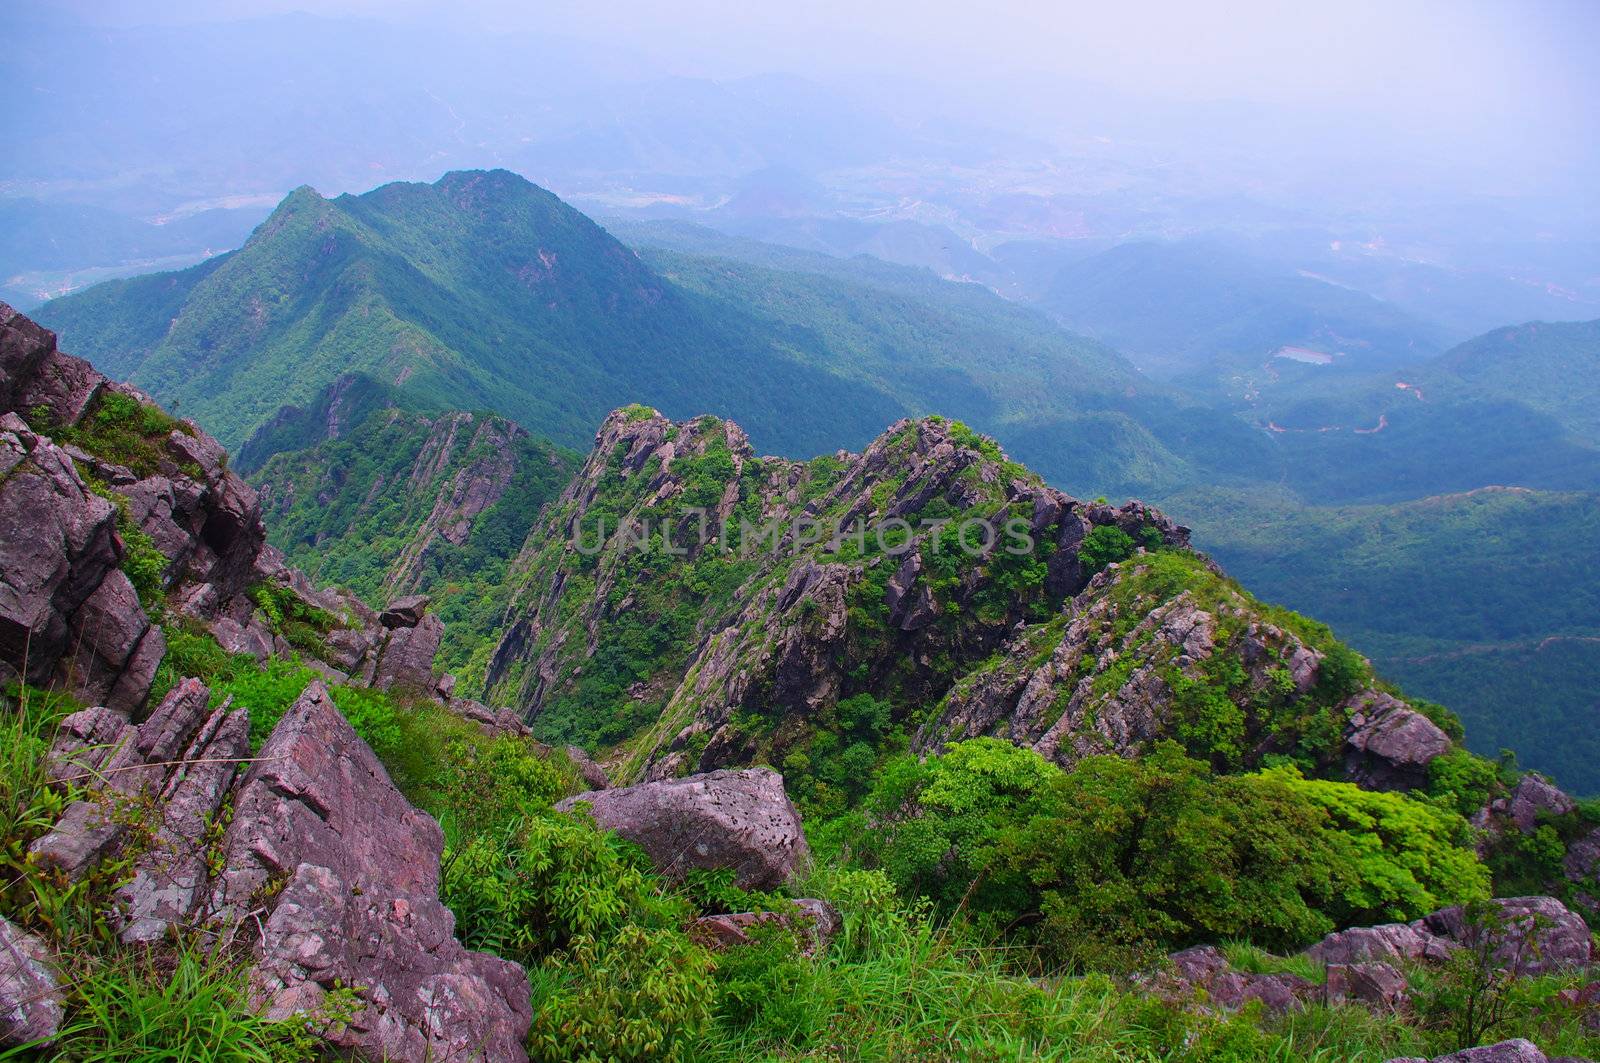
(1508, 88)
(1446, 60)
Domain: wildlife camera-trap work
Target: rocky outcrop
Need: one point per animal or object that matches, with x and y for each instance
(1513, 1051)
(1389, 745)
(1203, 972)
(1394, 942)
(741, 820)
(60, 584)
(355, 871)
(31, 1002)
(325, 877)
(145, 778)
(70, 617)
(1540, 934)
(811, 620)
(1532, 797)
(1376, 986)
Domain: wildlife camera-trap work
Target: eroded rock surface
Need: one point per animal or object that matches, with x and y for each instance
(31, 1007)
(1388, 744)
(355, 872)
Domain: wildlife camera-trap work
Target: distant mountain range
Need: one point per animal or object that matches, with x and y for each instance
(1341, 494)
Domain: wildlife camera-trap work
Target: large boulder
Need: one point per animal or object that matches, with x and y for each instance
(31, 1004)
(58, 543)
(1513, 1051)
(406, 663)
(1532, 796)
(724, 819)
(355, 870)
(1540, 934)
(1388, 744)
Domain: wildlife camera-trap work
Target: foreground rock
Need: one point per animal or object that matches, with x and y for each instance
(31, 1006)
(814, 923)
(1541, 935)
(1203, 972)
(1376, 986)
(724, 819)
(134, 774)
(1514, 1051)
(356, 873)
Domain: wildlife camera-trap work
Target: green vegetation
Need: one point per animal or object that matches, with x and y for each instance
(1117, 862)
(359, 510)
(120, 429)
(1473, 600)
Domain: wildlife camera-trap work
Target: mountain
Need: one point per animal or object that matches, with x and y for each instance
(484, 292)
(706, 608)
(480, 291)
(1061, 756)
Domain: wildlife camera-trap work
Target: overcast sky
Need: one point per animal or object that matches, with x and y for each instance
(1518, 80)
(1440, 55)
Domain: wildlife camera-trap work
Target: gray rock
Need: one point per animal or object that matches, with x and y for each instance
(24, 344)
(1561, 943)
(1514, 1051)
(725, 819)
(138, 765)
(405, 612)
(1377, 986)
(358, 869)
(170, 878)
(1389, 745)
(1202, 972)
(1532, 795)
(31, 1002)
(57, 543)
(594, 776)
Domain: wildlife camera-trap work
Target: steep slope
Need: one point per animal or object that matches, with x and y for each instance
(390, 502)
(1484, 600)
(705, 607)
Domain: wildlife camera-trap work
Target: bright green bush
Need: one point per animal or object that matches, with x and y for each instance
(1119, 860)
(268, 692)
(532, 887)
(641, 995)
(1105, 544)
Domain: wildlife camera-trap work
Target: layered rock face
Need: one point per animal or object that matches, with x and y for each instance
(795, 584)
(355, 873)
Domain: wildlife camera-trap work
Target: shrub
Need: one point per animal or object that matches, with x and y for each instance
(1117, 861)
(532, 887)
(1104, 545)
(641, 995)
